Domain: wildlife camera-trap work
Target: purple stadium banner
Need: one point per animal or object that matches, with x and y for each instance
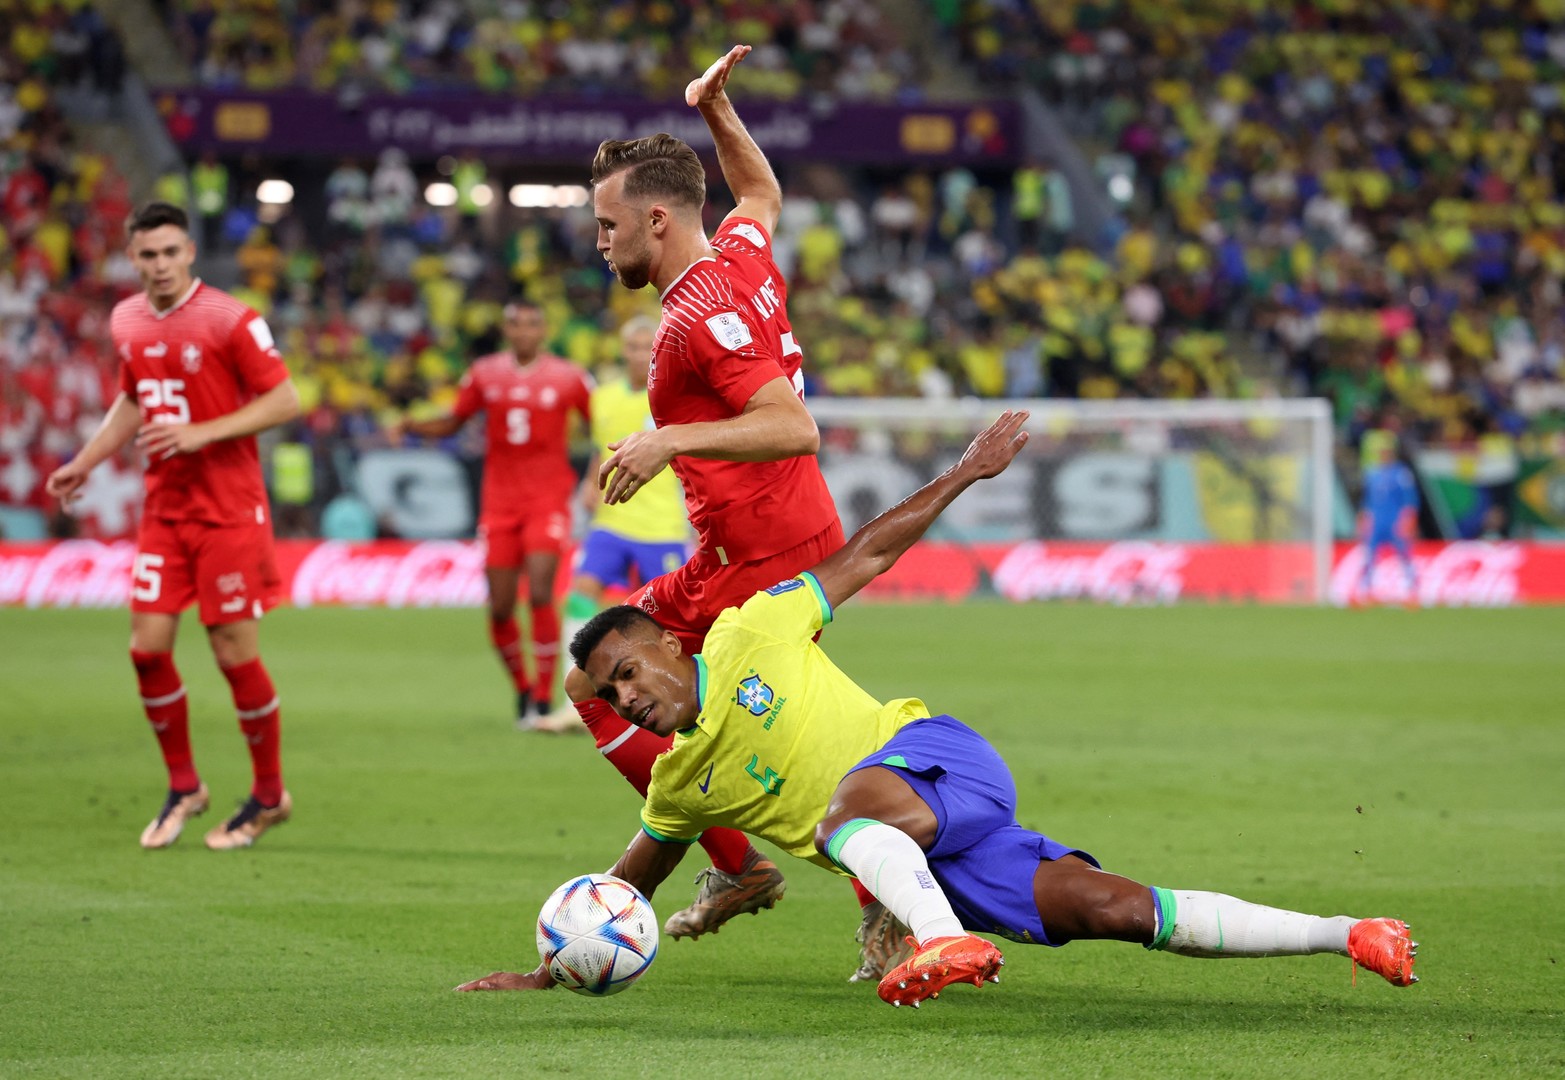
(568, 130)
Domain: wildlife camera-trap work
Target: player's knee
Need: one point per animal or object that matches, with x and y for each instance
(1078, 901)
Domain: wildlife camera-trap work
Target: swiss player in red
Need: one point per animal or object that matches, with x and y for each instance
(726, 395)
(199, 377)
(527, 397)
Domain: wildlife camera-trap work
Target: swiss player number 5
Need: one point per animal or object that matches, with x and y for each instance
(164, 394)
(147, 576)
(518, 426)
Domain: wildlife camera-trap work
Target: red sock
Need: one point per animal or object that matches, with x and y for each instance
(546, 648)
(167, 708)
(507, 638)
(260, 719)
(632, 751)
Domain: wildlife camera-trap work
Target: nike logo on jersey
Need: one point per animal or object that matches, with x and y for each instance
(707, 783)
(160, 349)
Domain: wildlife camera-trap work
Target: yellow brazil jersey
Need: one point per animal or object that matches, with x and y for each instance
(779, 727)
(657, 514)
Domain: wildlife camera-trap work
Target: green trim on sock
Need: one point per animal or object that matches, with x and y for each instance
(840, 837)
(1167, 913)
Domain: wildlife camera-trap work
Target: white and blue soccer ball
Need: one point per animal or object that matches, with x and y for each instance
(597, 935)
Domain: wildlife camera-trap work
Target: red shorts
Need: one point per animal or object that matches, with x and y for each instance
(508, 540)
(231, 570)
(688, 600)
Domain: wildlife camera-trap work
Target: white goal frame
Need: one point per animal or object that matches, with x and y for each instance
(914, 414)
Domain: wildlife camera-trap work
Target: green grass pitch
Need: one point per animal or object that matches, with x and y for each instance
(1382, 762)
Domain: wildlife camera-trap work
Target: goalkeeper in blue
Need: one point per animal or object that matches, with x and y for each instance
(1388, 517)
(773, 739)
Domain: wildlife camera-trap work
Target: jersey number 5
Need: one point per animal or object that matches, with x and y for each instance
(148, 581)
(518, 426)
(167, 394)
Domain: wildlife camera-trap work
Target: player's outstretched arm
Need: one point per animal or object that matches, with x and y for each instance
(872, 550)
(774, 425)
(278, 405)
(645, 864)
(745, 168)
(118, 428)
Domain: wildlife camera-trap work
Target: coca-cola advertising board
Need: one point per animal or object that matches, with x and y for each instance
(448, 573)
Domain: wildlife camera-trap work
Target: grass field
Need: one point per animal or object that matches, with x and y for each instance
(1382, 762)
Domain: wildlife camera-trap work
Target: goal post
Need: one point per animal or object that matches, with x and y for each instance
(1130, 501)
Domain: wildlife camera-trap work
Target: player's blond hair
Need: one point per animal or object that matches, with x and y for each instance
(657, 166)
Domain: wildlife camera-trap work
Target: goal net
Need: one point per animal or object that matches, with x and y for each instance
(1123, 501)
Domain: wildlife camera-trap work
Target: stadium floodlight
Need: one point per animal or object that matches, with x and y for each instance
(1244, 488)
(549, 195)
(440, 194)
(483, 195)
(274, 192)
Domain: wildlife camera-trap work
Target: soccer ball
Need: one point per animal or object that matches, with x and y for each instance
(597, 935)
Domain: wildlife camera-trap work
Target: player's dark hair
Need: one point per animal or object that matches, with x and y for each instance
(660, 167)
(628, 621)
(154, 216)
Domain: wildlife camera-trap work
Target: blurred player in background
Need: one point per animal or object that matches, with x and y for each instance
(725, 393)
(917, 804)
(1389, 515)
(524, 524)
(628, 543)
(199, 377)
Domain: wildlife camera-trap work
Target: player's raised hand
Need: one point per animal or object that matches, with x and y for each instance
(160, 440)
(636, 459)
(65, 483)
(997, 445)
(510, 980)
(715, 78)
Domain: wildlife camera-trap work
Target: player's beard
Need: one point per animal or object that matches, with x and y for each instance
(634, 269)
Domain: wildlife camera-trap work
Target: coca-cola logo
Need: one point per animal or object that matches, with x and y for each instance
(1120, 573)
(1458, 575)
(74, 573)
(434, 573)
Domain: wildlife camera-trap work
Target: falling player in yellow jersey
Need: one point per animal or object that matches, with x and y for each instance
(773, 739)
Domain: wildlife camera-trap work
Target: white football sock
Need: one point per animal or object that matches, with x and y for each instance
(1216, 925)
(894, 868)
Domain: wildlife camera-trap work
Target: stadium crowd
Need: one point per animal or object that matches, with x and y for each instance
(1327, 199)
(842, 48)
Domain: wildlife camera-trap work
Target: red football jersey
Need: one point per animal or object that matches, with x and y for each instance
(527, 468)
(203, 358)
(724, 335)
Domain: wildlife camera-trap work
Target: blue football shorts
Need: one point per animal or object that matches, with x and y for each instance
(984, 861)
(610, 558)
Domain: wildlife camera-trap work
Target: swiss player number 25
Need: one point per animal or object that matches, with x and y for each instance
(518, 426)
(167, 395)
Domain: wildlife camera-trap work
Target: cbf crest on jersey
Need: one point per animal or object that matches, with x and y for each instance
(755, 695)
(729, 330)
